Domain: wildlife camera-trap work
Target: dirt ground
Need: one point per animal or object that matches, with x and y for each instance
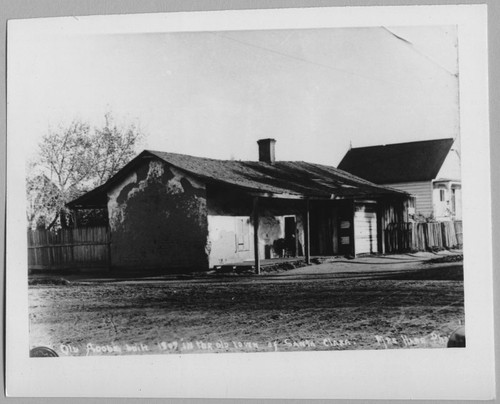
(245, 314)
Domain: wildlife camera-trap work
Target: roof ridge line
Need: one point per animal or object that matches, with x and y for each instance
(400, 143)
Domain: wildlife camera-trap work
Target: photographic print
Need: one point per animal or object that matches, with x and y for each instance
(293, 189)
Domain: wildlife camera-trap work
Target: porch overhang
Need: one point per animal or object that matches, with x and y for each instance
(95, 199)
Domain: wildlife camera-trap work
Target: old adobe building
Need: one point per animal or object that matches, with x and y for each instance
(175, 212)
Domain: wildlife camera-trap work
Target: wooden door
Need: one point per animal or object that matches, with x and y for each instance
(345, 229)
(365, 229)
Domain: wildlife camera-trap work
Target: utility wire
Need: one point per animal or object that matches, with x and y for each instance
(416, 50)
(297, 58)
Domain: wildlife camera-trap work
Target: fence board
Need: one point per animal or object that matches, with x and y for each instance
(402, 237)
(458, 232)
(69, 248)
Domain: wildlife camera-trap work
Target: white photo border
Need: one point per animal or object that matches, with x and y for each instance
(396, 374)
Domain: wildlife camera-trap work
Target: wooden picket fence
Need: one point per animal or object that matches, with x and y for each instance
(83, 248)
(403, 237)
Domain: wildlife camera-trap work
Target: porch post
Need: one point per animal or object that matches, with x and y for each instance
(255, 218)
(381, 226)
(353, 232)
(307, 237)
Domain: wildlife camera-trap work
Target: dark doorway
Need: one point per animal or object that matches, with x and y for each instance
(323, 232)
(290, 236)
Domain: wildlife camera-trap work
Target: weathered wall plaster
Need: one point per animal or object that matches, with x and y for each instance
(223, 240)
(158, 220)
(225, 234)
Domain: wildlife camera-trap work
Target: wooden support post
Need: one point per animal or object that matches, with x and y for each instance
(381, 206)
(255, 218)
(353, 230)
(108, 246)
(307, 237)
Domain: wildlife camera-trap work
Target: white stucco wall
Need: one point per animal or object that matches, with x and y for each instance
(223, 240)
(228, 245)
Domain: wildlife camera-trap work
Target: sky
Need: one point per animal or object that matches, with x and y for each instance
(214, 94)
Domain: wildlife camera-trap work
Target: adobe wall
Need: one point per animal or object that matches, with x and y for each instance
(228, 245)
(158, 220)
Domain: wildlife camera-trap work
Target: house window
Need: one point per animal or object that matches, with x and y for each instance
(441, 195)
(242, 234)
(345, 240)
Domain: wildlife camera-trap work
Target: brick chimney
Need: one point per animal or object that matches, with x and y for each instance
(266, 150)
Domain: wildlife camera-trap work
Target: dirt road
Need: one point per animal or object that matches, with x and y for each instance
(246, 314)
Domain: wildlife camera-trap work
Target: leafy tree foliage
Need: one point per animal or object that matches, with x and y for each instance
(73, 159)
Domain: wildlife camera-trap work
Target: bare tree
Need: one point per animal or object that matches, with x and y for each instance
(72, 160)
(43, 199)
(115, 146)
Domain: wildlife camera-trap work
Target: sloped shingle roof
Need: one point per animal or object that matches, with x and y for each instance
(400, 162)
(288, 178)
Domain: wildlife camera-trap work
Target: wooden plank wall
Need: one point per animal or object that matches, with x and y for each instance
(404, 237)
(69, 249)
(422, 191)
(398, 237)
